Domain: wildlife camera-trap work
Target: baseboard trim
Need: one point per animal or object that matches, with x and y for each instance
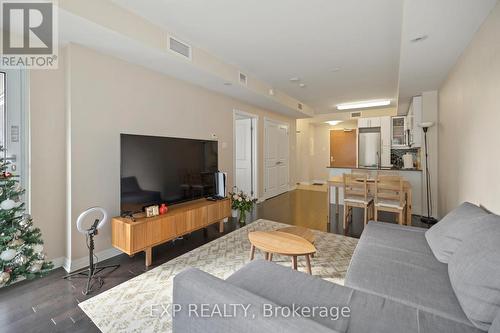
(74, 265)
(59, 262)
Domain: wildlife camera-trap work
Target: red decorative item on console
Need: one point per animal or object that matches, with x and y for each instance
(163, 209)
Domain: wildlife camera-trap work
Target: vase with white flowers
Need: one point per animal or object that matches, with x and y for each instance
(243, 203)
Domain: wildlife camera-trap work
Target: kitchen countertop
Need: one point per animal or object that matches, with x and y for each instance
(375, 169)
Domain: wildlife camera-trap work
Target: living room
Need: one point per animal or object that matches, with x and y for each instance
(190, 146)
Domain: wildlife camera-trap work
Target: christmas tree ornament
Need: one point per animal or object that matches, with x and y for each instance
(4, 278)
(20, 260)
(38, 248)
(7, 204)
(36, 266)
(17, 187)
(15, 242)
(8, 255)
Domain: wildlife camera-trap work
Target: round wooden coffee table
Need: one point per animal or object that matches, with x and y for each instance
(281, 243)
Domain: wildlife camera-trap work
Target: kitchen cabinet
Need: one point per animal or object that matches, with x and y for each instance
(399, 135)
(385, 138)
(369, 122)
(363, 123)
(414, 118)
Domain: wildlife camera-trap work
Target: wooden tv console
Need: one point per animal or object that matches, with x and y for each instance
(142, 234)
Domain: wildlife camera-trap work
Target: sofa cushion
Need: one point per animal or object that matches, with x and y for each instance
(445, 237)
(474, 271)
(198, 295)
(395, 261)
(368, 312)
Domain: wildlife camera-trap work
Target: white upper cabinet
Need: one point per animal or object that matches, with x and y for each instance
(399, 134)
(363, 123)
(368, 122)
(374, 122)
(414, 118)
(385, 131)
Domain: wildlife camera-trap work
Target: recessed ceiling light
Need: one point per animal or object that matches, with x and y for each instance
(363, 104)
(294, 79)
(419, 39)
(302, 85)
(333, 122)
(228, 83)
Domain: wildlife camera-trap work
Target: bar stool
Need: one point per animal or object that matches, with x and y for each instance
(356, 194)
(389, 196)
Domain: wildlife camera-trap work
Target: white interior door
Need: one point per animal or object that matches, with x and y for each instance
(243, 153)
(276, 167)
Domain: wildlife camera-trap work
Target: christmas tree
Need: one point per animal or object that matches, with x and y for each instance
(21, 245)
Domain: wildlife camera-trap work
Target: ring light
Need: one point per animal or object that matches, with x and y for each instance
(81, 218)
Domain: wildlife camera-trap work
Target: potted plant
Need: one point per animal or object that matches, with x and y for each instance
(243, 203)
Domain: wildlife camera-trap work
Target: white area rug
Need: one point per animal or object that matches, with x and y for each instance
(127, 307)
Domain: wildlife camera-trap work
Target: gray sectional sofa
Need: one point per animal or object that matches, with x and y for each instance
(400, 279)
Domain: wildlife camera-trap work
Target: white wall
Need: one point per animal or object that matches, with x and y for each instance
(48, 151)
(469, 119)
(104, 97)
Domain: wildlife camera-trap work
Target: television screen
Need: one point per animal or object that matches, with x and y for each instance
(157, 170)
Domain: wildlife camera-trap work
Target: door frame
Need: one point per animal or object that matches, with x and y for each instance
(255, 148)
(25, 129)
(279, 123)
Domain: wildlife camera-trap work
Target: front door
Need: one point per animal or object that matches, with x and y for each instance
(343, 148)
(276, 173)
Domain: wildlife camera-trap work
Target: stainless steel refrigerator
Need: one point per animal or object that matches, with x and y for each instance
(369, 148)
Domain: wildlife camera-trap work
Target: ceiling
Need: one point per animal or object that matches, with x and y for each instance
(450, 26)
(343, 51)
(280, 39)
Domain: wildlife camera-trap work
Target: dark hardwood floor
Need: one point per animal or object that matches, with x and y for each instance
(50, 304)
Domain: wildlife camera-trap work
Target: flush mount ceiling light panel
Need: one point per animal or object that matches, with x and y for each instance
(333, 122)
(363, 104)
(294, 79)
(302, 85)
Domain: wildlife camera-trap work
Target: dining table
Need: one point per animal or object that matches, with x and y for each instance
(337, 182)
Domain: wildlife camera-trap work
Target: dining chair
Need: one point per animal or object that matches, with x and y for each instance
(356, 195)
(389, 196)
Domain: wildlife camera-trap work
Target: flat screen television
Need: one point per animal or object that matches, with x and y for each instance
(157, 170)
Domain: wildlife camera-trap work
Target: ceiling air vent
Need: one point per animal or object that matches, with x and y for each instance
(355, 115)
(242, 78)
(299, 106)
(180, 48)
